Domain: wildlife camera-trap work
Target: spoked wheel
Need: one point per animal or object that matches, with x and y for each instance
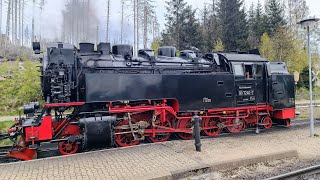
(209, 122)
(161, 137)
(235, 125)
(267, 122)
(185, 124)
(125, 139)
(67, 148)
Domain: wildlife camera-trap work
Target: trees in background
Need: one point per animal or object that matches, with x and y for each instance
(225, 25)
(232, 23)
(174, 21)
(79, 22)
(147, 19)
(182, 27)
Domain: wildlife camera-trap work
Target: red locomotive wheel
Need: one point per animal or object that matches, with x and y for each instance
(267, 122)
(127, 139)
(185, 125)
(67, 148)
(208, 122)
(162, 137)
(234, 125)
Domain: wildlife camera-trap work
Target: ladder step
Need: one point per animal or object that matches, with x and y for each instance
(262, 114)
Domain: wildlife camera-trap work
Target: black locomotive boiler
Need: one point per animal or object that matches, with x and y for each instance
(106, 97)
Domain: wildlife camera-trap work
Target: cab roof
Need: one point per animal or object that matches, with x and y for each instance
(243, 57)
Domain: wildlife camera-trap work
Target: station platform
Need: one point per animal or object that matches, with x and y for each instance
(171, 159)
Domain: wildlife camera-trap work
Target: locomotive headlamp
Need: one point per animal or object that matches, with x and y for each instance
(31, 107)
(36, 47)
(36, 105)
(27, 109)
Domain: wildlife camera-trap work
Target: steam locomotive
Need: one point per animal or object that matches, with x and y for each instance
(107, 98)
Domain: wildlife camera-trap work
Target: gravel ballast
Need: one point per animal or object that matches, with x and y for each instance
(268, 141)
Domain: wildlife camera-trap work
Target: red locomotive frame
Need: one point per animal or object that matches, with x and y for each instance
(154, 122)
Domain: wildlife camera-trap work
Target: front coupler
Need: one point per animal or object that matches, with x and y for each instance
(18, 149)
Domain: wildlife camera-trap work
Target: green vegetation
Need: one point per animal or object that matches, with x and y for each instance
(20, 86)
(155, 46)
(218, 46)
(4, 125)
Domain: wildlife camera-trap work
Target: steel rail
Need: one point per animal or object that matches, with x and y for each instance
(297, 173)
(305, 105)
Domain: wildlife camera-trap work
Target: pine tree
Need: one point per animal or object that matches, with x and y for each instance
(252, 38)
(275, 15)
(174, 17)
(233, 24)
(213, 25)
(208, 27)
(260, 24)
(191, 35)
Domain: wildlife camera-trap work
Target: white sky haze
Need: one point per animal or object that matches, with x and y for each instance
(52, 18)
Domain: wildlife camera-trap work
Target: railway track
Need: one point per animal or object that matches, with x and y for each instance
(298, 174)
(50, 149)
(3, 158)
(306, 105)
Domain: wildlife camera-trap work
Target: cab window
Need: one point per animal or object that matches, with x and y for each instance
(238, 70)
(248, 71)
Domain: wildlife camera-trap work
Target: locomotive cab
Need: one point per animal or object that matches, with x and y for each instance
(250, 78)
(260, 82)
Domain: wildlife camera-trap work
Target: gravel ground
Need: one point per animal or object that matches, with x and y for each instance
(224, 148)
(261, 170)
(233, 147)
(304, 112)
(7, 118)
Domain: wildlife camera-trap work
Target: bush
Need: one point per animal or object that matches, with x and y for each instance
(21, 85)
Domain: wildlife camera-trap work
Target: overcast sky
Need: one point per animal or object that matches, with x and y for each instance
(51, 19)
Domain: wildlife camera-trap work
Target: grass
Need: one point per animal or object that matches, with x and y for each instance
(14, 113)
(304, 112)
(4, 125)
